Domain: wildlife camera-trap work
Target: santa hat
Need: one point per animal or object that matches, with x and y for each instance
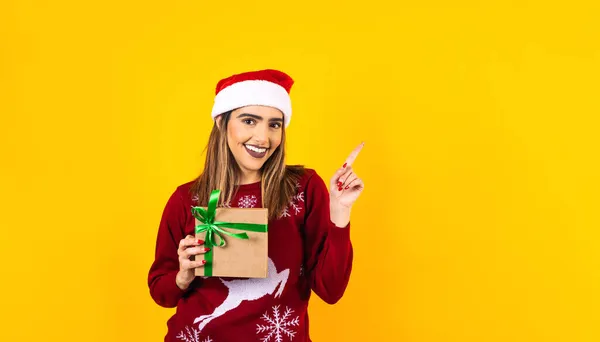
(264, 87)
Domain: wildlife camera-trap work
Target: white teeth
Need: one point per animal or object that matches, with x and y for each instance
(255, 149)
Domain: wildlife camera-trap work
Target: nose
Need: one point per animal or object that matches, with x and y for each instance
(261, 134)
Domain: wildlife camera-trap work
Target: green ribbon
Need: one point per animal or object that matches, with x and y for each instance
(213, 228)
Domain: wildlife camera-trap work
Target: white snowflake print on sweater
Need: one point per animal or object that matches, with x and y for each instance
(191, 335)
(277, 326)
(295, 207)
(195, 200)
(247, 201)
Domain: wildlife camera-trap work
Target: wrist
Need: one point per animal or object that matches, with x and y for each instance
(181, 284)
(340, 215)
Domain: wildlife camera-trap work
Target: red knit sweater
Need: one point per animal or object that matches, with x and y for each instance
(306, 252)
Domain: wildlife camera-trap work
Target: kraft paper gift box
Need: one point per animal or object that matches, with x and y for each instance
(237, 238)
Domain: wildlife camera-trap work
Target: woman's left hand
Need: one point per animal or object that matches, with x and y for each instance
(345, 187)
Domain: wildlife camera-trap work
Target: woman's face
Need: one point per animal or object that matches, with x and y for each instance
(253, 133)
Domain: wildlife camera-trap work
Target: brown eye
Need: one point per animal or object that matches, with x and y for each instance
(276, 125)
(248, 121)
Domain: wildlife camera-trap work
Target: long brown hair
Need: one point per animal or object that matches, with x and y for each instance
(221, 171)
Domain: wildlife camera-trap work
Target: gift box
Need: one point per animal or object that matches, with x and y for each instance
(237, 239)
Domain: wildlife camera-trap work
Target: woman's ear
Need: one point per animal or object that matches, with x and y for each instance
(218, 121)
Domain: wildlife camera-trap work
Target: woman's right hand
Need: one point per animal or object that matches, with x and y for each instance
(189, 247)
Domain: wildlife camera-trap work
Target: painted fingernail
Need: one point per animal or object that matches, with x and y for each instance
(203, 262)
(345, 164)
(206, 249)
(347, 187)
(340, 188)
(200, 242)
(339, 184)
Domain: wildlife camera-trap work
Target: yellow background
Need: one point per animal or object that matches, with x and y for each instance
(479, 221)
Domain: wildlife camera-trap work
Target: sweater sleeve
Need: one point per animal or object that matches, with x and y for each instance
(328, 248)
(161, 277)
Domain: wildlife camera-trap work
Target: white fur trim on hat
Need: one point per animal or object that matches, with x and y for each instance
(253, 92)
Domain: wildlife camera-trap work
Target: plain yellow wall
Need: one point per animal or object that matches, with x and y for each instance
(479, 221)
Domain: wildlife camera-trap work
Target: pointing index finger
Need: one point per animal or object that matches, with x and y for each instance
(352, 157)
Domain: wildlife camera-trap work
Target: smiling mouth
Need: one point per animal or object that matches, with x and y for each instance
(255, 151)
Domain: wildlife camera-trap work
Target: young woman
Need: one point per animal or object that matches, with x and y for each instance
(309, 244)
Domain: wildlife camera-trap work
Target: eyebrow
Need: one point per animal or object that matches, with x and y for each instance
(258, 117)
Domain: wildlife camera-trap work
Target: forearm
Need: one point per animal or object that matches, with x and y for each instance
(331, 273)
(165, 289)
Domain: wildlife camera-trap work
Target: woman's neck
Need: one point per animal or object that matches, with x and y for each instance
(249, 177)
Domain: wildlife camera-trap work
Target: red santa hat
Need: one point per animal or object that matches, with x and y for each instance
(263, 87)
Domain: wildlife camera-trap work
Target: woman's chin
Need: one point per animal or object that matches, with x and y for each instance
(252, 164)
(253, 167)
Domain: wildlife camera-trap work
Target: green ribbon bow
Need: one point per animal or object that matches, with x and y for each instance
(213, 228)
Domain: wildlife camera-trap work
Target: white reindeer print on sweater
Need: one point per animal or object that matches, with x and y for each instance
(247, 289)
